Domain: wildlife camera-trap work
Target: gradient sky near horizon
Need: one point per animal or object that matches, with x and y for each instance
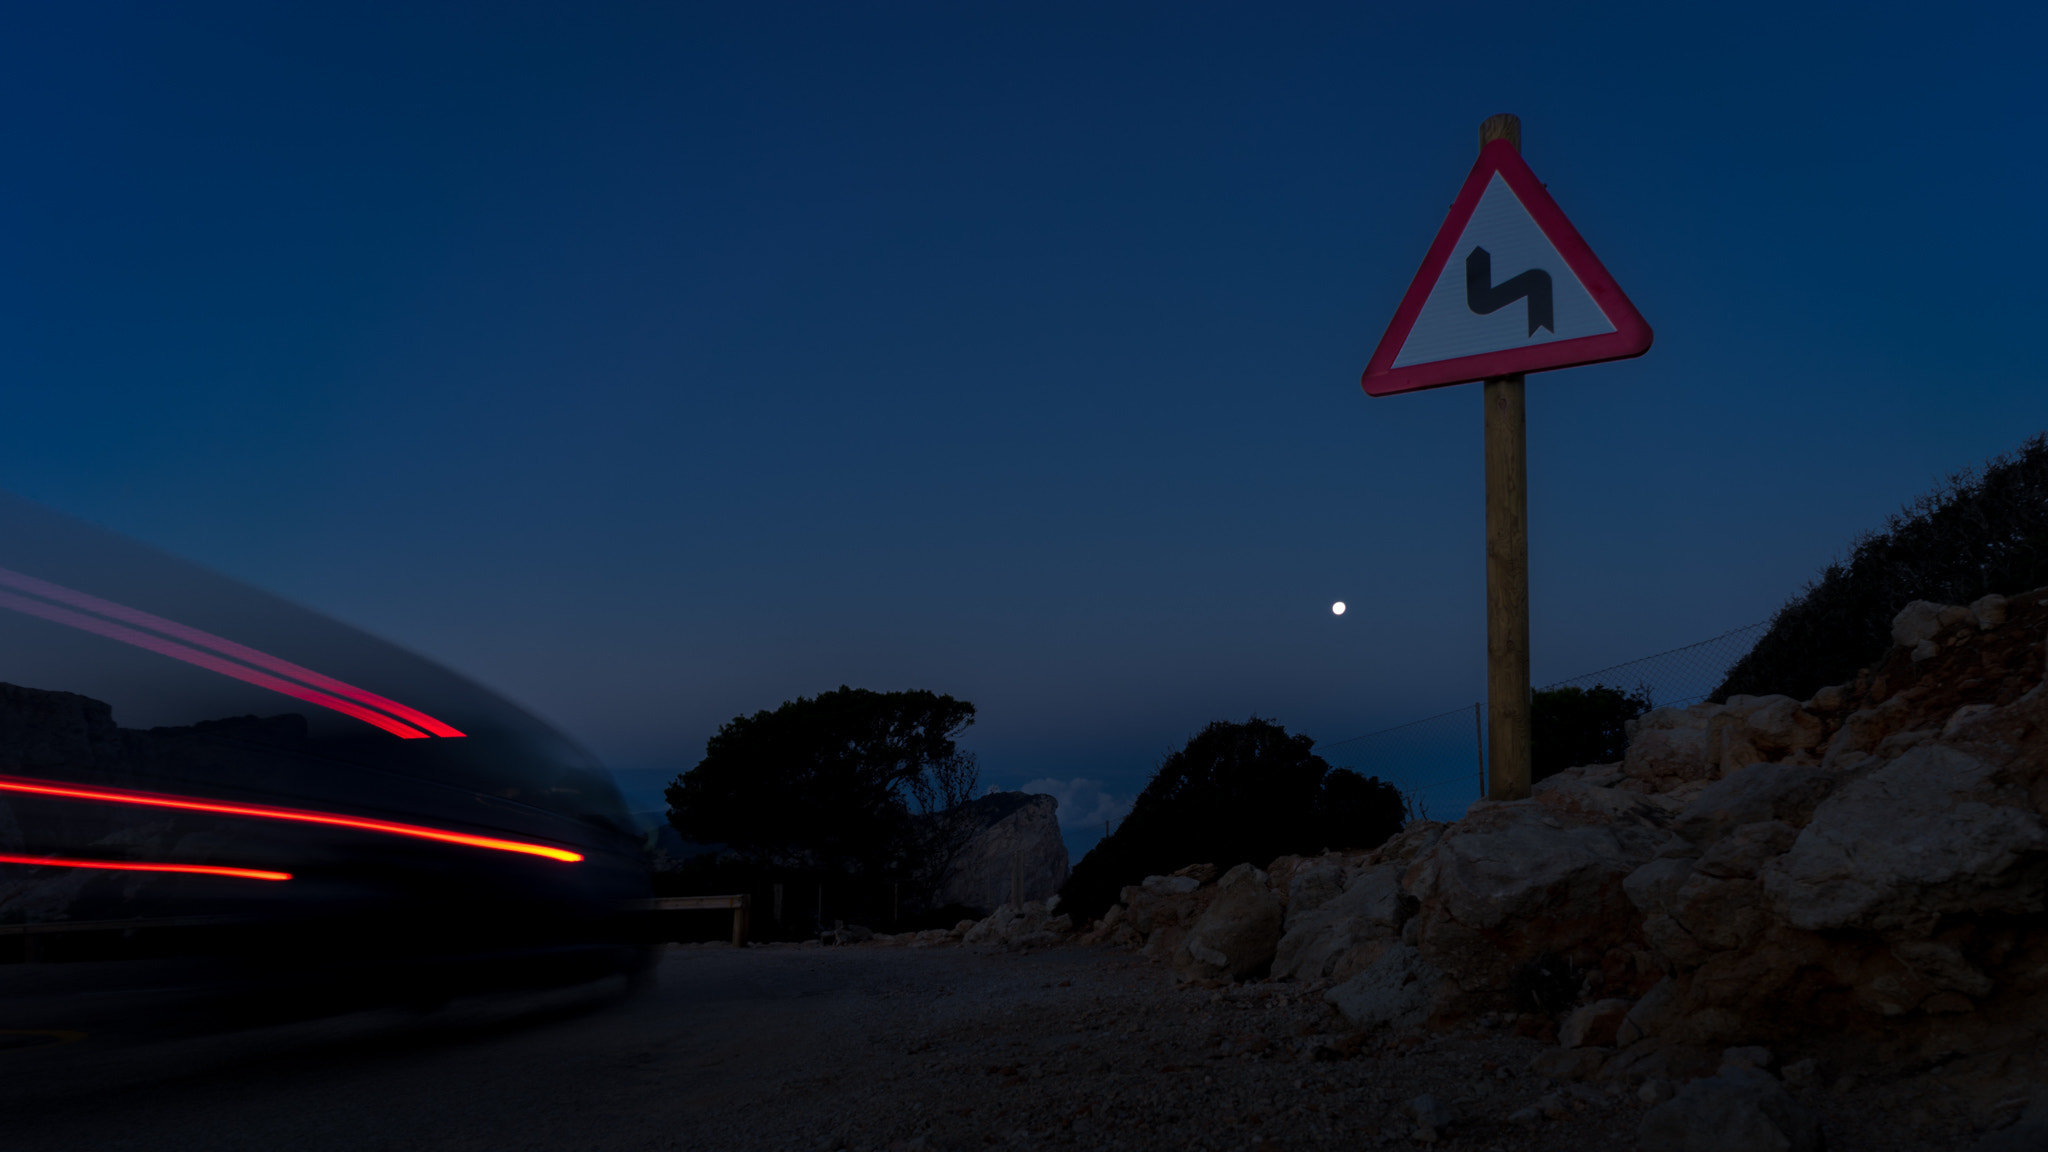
(658, 363)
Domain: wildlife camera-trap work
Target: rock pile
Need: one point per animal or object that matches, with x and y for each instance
(1858, 876)
(1032, 924)
(1867, 866)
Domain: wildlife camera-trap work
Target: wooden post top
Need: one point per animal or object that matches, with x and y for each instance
(1501, 126)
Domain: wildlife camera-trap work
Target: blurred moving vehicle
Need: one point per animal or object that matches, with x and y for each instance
(191, 766)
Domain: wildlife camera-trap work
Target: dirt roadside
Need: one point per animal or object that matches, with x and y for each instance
(1095, 1049)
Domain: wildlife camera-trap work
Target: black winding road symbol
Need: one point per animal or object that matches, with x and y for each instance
(1484, 297)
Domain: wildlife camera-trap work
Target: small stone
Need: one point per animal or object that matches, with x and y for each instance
(1593, 1025)
(1654, 1092)
(1553, 1106)
(1430, 1112)
(1525, 1117)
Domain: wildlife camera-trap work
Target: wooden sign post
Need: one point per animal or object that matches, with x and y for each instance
(1508, 287)
(1507, 559)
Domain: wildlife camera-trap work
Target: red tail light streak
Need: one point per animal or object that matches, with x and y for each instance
(134, 866)
(266, 812)
(312, 687)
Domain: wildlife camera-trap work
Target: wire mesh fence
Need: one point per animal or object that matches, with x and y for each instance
(1439, 762)
(1676, 678)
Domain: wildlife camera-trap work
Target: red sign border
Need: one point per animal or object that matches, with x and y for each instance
(1631, 335)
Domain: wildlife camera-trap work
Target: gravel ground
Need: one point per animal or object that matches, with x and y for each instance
(1098, 1049)
(820, 1049)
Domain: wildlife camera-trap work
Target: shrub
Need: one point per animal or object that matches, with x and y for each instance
(1574, 726)
(1235, 793)
(1980, 531)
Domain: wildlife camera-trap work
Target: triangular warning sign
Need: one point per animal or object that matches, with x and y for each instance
(1508, 286)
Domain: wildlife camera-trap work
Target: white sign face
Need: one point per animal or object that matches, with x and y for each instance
(1508, 287)
(1505, 286)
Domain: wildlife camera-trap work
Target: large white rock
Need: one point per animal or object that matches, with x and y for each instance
(1395, 990)
(1907, 844)
(1755, 793)
(1368, 912)
(1314, 884)
(1668, 745)
(1513, 881)
(1236, 935)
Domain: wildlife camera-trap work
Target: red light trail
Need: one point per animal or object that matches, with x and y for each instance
(132, 866)
(300, 815)
(224, 647)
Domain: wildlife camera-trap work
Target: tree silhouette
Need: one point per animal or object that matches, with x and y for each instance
(832, 784)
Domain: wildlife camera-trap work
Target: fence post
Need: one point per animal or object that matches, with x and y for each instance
(742, 914)
(1479, 743)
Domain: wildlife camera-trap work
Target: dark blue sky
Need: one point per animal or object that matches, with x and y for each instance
(657, 363)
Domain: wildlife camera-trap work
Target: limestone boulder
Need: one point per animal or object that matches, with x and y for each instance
(1515, 881)
(1314, 884)
(1396, 990)
(1236, 936)
(1338, 938)
(1928, 835)
(1758, 792)
(1668, 746)
(1417, 837)
(1163, 902)
(1593, 1025)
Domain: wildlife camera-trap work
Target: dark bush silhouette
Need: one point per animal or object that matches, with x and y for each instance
(1235, 793)
(1574, 726)
(849, 784)
(1981, 531)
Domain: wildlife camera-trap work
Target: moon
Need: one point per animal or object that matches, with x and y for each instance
(1337, 609)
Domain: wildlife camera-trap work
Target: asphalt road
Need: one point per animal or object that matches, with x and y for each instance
(726, 1050)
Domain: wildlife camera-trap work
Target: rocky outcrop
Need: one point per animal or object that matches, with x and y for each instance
(1858, 876)
(1867, 868)
(1017, 831)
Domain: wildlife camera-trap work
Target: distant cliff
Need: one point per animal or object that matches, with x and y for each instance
(1012, 826)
